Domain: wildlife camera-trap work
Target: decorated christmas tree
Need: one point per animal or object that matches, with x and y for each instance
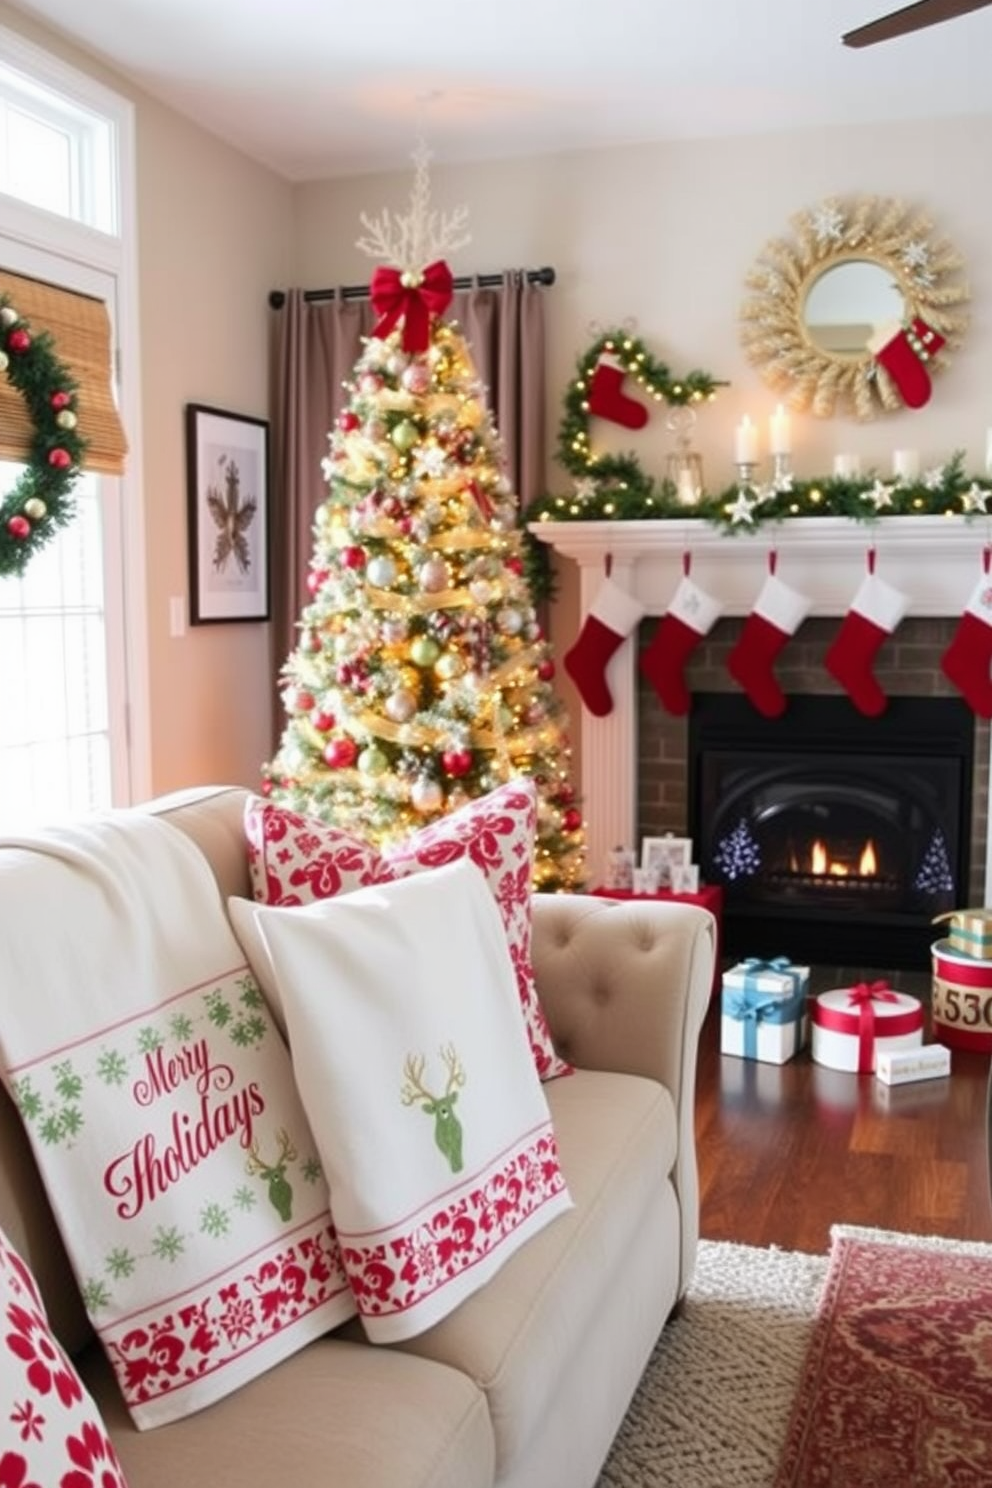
(422, 678)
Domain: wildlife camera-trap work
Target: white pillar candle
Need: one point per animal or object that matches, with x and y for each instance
(746, 442)
(780, 432)
(847, 466)
(906, 464)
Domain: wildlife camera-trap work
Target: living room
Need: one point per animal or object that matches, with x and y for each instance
(659, 236)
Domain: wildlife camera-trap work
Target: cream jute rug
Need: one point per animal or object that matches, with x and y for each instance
(713, 1408)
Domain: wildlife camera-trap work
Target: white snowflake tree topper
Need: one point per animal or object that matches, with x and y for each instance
(410, 240)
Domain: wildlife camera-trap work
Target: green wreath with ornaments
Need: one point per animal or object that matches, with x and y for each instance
(41, 500)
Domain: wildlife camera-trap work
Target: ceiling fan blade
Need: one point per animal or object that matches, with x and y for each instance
(911, 18)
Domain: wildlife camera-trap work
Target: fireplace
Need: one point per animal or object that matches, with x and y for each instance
(835, 838)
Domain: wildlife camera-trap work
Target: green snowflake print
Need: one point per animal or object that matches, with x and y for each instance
(149, 1039)
(95, 1297)
(214, 1220)
(248, 1031)
(50, 1130)
(120, 1263)
(310, 1170)
(72, 1122)
(168, 1244)
(244, 1198)
(181, 1028)
(67, 1083)
(251, 996)
(29, 1102)
(218, 1009)
(111, 1067)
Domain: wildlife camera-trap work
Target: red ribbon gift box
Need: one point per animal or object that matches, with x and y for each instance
(852, 1024)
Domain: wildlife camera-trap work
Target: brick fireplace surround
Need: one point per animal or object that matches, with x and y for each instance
(633, 779)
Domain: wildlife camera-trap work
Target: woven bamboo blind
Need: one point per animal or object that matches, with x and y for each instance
(80, 328)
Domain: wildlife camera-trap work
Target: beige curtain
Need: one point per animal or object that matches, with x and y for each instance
(315, 345)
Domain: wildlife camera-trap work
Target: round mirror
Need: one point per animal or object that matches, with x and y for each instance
(819, 300)
(849, 301)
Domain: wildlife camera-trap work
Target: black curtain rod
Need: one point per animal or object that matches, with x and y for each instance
(545, 276)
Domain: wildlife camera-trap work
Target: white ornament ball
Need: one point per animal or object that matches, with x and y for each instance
(396, 363)
(481, 591)
(449, 666)
(381, 571)
(395, 630)
(425, 794)
(8, 316)
(370, 382)
(510, 621)
(433, 575)
(400, 705)
(417, 378)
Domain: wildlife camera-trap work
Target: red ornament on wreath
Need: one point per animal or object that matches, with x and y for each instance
(18, 527)
(59, 459)
(60, 400)
(19, 341)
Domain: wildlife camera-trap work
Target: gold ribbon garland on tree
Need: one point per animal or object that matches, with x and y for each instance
(41, 500)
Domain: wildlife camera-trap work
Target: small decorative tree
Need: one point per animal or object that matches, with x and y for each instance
(422, 678)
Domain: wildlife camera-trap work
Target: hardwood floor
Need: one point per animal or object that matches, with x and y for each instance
(785, 1151)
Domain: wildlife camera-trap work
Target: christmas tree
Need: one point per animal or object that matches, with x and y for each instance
(421, 679)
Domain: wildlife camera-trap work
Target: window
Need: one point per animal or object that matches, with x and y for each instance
(66, 672)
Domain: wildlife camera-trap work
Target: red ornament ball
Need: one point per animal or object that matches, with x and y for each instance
(315, 580)
(347, 421)
(546, 670)
(456, 762)
(572, 820)
(341, 753)
(304, 701)
(353, 557)
(515, 565)
(19, 341)
(322, 720)
(18, 526)
(60, 400)
(59, 459)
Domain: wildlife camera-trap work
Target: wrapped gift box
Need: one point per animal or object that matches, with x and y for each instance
(969, 931)
(851, 1025)
(763, 1010)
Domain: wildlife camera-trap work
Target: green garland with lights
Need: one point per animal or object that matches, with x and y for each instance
(41, 500)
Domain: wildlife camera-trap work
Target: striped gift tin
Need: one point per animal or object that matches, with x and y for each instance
(961, 1004)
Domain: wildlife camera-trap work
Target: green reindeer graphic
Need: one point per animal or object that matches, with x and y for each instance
(447, 1127)
(280, 1192)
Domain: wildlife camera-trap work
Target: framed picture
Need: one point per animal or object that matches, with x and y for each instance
(685, 878)
(227, 491)
(662, 854)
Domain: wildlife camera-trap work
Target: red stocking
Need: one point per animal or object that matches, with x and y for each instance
(613, 616)
(691, 614)
(608, 400)
(777, 615)
(904, 354)
(875, 611)
(967, 662)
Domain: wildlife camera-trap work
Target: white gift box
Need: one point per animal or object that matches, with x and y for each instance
(901, 1066)
(853, 1025)
(777, 1043)
(763, 1010)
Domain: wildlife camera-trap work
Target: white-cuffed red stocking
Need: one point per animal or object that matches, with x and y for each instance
(777, 615)
(875, 611)
(613, 616)
(967, 662)
(690, 615)
(607, 398)
(904, 352)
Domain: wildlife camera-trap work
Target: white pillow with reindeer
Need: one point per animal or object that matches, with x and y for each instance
(414, 1067)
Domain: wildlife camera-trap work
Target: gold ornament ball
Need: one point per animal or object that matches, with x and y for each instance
(405, 435)
(35, 508)
(66, 419)
(449, 666)
(372, 761)
(424, 651)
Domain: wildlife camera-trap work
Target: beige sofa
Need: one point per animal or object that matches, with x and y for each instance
(528, 1380)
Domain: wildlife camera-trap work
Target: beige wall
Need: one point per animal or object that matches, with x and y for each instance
(215, 234)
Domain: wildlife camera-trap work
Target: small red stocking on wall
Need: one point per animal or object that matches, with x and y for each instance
(777, 615)
(607, 398)
(614, 614)
(875, 611)
(690, 615)
(904, 352)
(967, 662)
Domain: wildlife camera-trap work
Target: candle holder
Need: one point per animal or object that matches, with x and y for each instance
(781, 467)
(745, 472)
(685, 466)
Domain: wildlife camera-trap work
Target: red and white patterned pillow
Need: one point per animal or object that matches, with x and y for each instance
(295, 859)
(51, 1434)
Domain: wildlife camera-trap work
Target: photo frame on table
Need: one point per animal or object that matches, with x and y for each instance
(662, 854)
(685, 878)
(227, 494)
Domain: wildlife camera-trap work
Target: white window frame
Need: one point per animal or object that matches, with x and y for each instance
(81, 257)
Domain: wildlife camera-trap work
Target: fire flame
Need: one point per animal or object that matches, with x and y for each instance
(822, 864)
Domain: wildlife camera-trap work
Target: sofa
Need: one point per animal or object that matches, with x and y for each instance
(526, 1382)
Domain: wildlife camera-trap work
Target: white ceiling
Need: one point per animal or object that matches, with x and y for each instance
(320, 88)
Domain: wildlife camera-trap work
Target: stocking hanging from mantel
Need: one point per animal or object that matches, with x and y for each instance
(777, 614)
(614, 614)
(967, 662)
(691, 615)
(875, 612)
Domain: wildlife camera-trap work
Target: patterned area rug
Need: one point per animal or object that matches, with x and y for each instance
(725, 1397)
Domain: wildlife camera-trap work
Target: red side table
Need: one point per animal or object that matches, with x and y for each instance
(709, 896)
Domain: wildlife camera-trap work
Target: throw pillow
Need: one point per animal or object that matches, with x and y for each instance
(295, 859)
(414, 1068)
(163, 1114)
(51, 1434)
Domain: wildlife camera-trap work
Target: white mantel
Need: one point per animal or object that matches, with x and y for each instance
(935, 560)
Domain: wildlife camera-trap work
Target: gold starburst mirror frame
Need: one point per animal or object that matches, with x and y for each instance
(817, 298)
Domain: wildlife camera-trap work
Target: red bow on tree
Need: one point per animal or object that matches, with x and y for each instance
(414, 298)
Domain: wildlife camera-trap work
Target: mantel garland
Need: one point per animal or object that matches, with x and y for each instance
(40, 501)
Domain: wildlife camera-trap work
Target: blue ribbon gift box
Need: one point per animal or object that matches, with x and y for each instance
(763, 1009)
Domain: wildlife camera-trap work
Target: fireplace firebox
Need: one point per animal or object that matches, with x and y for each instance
(835, 838)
